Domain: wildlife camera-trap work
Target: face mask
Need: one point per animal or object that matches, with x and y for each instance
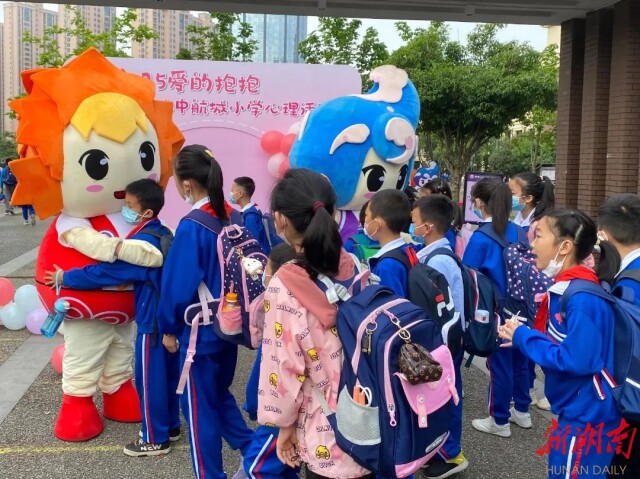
(554, 266)
(264, 279)
(602, 236)
(478, 212)
(412, 229)
(515, 204)
(188, 199)
(232, 200)
(366, 231)
(131, 216)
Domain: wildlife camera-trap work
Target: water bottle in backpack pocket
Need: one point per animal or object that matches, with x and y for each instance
(404, 421)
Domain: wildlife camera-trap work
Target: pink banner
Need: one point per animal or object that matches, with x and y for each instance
(228, 106)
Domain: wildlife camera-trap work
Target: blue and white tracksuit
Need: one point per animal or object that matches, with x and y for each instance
(207, 404)
(577, 346)
(450, 270)
(508, 367)
(156, 370)
(252, 218)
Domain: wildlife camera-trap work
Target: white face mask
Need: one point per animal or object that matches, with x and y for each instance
(189, 199)
(366, 230)
(554, 266)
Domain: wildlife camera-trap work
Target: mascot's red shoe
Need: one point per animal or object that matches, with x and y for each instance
(123, 405)
(78, 420)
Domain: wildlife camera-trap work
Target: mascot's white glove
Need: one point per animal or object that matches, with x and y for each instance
(103, 248)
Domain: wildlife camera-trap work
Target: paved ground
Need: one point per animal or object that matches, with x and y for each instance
(28, 448)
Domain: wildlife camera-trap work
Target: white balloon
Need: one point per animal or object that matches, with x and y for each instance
(27, 298)
(295, 128)
(13, 317)
(273, 165)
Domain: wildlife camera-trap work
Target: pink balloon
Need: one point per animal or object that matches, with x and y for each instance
(270, 142)
(6, 291)
(287, 143)
(284, 166)
(56, 358)
(35, 319)
(274, 164)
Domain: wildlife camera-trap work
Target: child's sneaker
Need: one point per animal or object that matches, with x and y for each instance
(488, 425)
(174, 434)
(26, 223)
(543, 404)
(440, 469)
(522, 419)
(139, 448)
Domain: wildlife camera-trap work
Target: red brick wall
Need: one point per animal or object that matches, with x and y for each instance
(623, 151)
(595, 111)
(569, 112)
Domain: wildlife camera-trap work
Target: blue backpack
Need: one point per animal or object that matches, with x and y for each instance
(400, 426)
(524, 281)
(625, 377)
(269, 229)
(479, 338)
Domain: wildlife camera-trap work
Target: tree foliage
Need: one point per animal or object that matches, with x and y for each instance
(8, 147)
(110, 43)
(470, 94)
(219, 42)
(338, 41)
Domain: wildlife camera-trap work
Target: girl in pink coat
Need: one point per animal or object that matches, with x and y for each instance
(301, 352)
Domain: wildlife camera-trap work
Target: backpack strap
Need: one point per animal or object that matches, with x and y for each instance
(624, 292)
(443, 252)
(400, 256)
(213, 223)
(487, 230)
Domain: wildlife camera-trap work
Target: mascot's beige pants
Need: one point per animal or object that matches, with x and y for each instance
(96, 355)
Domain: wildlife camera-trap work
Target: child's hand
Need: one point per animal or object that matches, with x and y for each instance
(287, 447)
(50, 277)
(170, 342)
(506, 332)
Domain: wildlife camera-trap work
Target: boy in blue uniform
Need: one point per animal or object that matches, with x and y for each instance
(261, 461)
(388, 214)
(242, 190)
(574, 345)
(619, 219)
(156, 370)
(509, 368)
(431, 218)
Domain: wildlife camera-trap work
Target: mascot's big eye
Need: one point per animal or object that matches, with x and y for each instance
(375, 177)
(402, 176)
(96, 162)
(147, 155)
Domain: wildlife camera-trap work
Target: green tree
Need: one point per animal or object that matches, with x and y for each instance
(470, 94)
(110, 43)
(8, 147)
(338, 41)
(218, 41)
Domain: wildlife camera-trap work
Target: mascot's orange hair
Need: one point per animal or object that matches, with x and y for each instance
(53, 96)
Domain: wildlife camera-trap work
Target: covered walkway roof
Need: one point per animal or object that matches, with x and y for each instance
(535, 12)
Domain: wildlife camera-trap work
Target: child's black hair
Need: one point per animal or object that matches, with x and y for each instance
(280, 254)
(149, 194)
(540, 188)
(496, 196)
(436, 209)
(576, 226)
(196, 162)
(620, 216)
(247, 184)
(438, 187)
(308, 201)
(363, 213)
(393, 207)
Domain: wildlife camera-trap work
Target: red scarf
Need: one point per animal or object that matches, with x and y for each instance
(209, 209)
(577, 272)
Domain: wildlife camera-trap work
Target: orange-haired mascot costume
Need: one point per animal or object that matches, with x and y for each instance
(87, 130)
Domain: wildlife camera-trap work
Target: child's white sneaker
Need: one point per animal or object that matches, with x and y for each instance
(522, 419)
(543, 404)
(489, 426)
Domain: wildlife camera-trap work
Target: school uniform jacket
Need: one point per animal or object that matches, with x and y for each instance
(252, 218)
(193, 258)
(392, 273)
(577, 346)
(146, 281)
(628, 282)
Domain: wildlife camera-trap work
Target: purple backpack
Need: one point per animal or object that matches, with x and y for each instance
(524, 280)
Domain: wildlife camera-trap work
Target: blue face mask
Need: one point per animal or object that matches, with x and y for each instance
(412, 229)
(131, 216)
(478, 212)
(515, 204)
(232, 199)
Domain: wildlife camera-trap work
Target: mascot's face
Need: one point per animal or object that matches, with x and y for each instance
(363, 143)
(97, 169)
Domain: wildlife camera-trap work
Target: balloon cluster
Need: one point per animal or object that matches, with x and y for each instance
(21, 307)
(278, 145)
